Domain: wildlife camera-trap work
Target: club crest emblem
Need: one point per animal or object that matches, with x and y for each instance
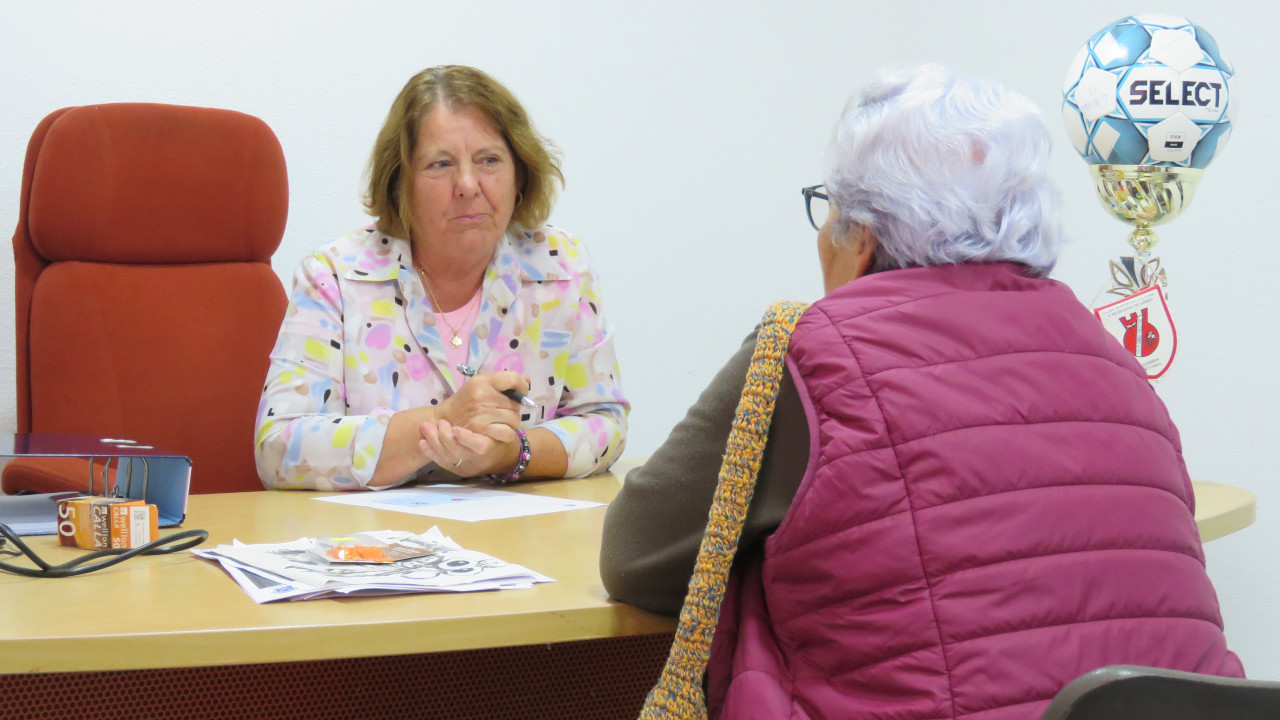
(1140, 337)
(1143, 325)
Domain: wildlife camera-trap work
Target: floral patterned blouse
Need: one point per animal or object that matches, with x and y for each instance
(359, 343)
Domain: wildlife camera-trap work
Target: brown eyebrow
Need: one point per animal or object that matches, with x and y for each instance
(423, 154)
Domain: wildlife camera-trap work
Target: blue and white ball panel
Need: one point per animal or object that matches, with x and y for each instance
(1075, 69)
(1210, 145)
(1118, 142)
(1118, 46)
(1177, 48)
(1210, 46)
(1077, 131)
(1172, 140)
(1157, 21)
(1095, 94)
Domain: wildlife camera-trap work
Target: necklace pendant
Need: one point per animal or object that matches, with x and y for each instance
(456, 341)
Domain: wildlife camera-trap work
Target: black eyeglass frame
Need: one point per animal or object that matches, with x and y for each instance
(811, 192)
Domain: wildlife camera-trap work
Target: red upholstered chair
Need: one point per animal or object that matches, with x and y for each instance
(146, 303)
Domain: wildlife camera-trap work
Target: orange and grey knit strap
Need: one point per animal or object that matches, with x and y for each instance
(678, 693)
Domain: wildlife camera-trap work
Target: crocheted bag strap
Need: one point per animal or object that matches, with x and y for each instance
(678, 693)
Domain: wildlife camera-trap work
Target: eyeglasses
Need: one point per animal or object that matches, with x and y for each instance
(816, 204)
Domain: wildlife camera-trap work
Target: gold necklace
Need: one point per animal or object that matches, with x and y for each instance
(456, 341)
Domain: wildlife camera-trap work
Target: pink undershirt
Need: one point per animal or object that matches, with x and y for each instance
(464, 319)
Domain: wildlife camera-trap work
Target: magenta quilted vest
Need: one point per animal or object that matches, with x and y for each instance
(995, 504)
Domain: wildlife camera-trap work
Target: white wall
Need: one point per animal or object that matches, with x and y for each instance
(687, 131)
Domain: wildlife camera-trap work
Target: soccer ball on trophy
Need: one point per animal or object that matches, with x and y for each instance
(1149, 90)
(1147, 103)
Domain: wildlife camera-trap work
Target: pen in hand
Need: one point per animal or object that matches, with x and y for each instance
(516, 395)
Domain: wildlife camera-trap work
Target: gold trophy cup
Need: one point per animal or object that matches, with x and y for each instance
(1144, 196)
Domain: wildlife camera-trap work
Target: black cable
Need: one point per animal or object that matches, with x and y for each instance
(163, 546)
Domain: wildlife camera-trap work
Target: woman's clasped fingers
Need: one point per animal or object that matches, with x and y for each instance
(440, 445)
(456, 449)
(430, 444)
(476, 443)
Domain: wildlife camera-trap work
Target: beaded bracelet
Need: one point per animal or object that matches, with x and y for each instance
(521, 464)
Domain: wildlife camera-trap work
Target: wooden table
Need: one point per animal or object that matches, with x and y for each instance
(161, 622)
(135, 640)
(181, 611)
(1222, 509)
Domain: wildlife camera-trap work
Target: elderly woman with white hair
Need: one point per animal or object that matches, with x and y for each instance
(970, 494)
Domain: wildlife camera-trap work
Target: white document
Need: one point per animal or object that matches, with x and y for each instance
(456, 502)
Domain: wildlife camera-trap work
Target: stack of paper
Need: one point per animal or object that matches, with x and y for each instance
(292, 571)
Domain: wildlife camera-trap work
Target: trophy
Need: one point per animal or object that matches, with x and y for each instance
(1147, 104)
(1144, 196)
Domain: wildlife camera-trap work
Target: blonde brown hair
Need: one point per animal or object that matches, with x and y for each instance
(537, 165)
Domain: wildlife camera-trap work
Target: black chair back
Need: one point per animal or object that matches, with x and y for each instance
(1129, 692)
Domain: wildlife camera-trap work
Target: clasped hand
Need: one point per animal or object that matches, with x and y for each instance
(475, 433)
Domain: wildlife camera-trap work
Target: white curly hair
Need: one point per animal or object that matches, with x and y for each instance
(945, 168)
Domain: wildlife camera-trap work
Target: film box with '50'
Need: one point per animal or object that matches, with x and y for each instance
(98, 523)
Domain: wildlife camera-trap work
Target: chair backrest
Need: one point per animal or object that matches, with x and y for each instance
(146, 303)
(1129, 692)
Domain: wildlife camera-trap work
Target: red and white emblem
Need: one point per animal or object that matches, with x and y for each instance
(1140, 337)
(1143, 324)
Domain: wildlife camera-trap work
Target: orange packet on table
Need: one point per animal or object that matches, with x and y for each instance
(85, 522)
(133, 524)
(363, 548)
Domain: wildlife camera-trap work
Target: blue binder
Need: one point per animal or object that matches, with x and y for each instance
(110, 466)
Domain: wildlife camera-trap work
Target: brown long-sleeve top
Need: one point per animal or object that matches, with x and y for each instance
(654, 527)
